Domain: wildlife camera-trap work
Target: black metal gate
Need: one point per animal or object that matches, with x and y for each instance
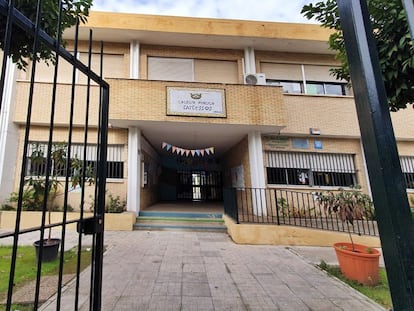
(60, 158)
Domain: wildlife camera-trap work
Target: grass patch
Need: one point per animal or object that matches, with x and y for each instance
(26, 266)
(379, 293)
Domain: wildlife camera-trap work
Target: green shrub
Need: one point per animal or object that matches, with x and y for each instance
(7, 207)
(115, 205)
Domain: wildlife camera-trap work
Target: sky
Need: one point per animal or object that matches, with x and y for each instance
(261, 10)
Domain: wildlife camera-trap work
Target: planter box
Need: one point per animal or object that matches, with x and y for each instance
(113, 221)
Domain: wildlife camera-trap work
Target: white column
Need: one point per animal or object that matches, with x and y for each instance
(134, 170)
(257, 173)
(8, 134)
(134, 60)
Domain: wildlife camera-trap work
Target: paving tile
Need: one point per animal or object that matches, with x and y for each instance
(321, 304)
(196, 290)
(195, 277)
(167, 303)
(228, 304)
(167, 289)
(125, 303)
(197, 303)
(293, 305)
(223, 290)
(193, 267)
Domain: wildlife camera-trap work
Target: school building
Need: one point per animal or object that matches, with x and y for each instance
(199, 105)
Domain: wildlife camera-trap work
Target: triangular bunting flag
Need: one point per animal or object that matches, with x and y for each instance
(187, 152)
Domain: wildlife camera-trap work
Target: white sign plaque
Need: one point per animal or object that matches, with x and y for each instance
(196, 102)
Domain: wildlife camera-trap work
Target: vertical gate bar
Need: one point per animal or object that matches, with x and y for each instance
(85, 142)
(68, 167)
(103, 140)
(388, 187)
(6, 48)
(277, 208)
(52, 121)
(28, 122)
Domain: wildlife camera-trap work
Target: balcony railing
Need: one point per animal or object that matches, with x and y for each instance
(291, 208)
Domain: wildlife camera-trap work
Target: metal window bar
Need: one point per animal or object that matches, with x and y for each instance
(16, 20)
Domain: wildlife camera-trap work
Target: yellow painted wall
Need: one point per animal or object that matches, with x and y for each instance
(113, 221)
(245, 104)
(258, 234)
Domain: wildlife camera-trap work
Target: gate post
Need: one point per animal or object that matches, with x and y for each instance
(394, 220)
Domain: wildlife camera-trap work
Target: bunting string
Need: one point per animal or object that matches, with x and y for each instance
(188, 152)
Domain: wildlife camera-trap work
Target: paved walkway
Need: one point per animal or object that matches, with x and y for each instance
(166, 270)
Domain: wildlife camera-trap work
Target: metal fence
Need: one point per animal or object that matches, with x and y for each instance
(90, 105)
(291, 208)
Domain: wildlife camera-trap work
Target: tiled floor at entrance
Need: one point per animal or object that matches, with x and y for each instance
(207, 271)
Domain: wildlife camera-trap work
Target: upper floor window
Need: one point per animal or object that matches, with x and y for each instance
(113, 67)
(303, 79)
(192, 70)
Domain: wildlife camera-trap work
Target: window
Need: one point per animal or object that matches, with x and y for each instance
(192, 70)
(407, 167)
(291, 87)
(313, 169)
(113, 67)
(312, 88)
(325, 88)
(303, 79)
(115, 165)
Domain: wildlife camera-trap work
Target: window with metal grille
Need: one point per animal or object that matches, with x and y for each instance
(312, 169)
(115, 165)
(407, 167)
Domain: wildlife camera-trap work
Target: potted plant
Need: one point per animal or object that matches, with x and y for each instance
(357, 262)
(43, 192)
(36, 185)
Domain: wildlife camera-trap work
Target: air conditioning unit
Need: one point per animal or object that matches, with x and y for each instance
(255, 79)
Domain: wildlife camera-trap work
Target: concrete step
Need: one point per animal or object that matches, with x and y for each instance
(180, 214)
(180, 221)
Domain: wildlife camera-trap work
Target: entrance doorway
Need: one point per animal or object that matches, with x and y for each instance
(198, 185)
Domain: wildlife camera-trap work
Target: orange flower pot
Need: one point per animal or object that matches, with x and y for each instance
(359, 265)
